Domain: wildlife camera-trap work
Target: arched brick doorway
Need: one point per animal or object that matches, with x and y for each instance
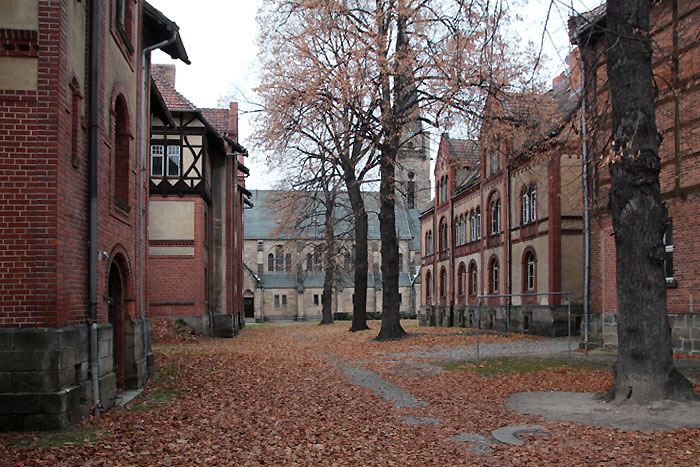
(116, 288)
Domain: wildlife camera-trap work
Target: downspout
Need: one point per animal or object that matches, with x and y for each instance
(451, 223)
(509, 248)
(144, 144)
(586, 216)
(92, 204)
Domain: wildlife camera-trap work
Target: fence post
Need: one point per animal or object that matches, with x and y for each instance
(478, 327)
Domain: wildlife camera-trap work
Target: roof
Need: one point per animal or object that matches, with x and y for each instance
(218, 118)
(464, 150)
(173, 99)
(584, 23)
(158, 29)
(260, 222)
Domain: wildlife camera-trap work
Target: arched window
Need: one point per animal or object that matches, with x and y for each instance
(472, 226)
(493, 276)
(529, 271)
(443, 284)
(122, 151)
(288, 262)
(428, 287)
(495, 216)
(443, 234)
(478, 223)
(270, 263)
(461, 279)
(309, 262)
(473, 278)
(529, 204)
(428, 243)
(411, 191)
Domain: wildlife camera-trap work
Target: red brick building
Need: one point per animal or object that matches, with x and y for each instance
(676, 62)
(74, 125)
(196, 196)
(507, 219)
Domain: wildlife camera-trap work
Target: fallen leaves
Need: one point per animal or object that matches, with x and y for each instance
(276, 396)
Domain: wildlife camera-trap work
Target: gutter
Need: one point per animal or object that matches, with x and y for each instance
(92, 205)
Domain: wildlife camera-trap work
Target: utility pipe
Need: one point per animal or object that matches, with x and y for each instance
(586, 217)
(92, 204)
(144, 133)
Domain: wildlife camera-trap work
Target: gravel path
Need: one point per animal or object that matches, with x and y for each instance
(551, 346)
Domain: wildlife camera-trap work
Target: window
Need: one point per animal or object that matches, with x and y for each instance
(157, 159)
(442, 190)
(461, 279)
(529, 271)
(428, 286)
(260, 245)
(284, 300)
(494, 162)
(270, 263)
(472, 226)
(279, 260)
(529, 204)
(472, 278)
(493, 269)
(287, 262)
(495, 216)
(277, 301)
(668, 260)
(443, 284)
(309, 262)
(122, 23)
(174, 161)
(120, 13)
(478, 223)
(411, 191)
(400, 262)
(429, 243)
(122, 150)
(315, 299)
(443, 234)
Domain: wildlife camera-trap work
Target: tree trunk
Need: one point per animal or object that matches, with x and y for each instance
(328, 262)
(391, 319)
(359, 306)
(644, 370)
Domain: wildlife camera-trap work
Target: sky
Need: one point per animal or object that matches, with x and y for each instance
(220, 38)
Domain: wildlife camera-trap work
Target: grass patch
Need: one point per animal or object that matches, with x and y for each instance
(74, 436)
(154, 399)
(508, 365)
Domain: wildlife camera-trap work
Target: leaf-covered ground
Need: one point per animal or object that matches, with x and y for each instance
(277, 395)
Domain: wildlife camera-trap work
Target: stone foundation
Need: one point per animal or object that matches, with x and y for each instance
(685, 331)
(45, 379)
(541, 320)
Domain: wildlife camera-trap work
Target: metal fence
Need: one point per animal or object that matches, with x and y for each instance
(525, 294)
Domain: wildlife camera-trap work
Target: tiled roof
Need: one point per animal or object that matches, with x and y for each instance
(465, 150)
(173, 99)
(218, 118)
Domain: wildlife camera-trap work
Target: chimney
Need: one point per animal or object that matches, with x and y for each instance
(233, 121)
(164, 73)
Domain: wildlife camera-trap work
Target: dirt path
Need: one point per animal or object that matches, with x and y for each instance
(294, 395)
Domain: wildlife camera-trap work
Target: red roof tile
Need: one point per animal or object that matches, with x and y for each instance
(173, 99)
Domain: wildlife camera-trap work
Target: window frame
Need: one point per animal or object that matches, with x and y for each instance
(162, 159)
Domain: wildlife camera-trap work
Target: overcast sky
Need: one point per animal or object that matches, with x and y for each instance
(220, 39)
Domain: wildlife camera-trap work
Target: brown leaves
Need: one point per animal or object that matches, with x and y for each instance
(276, 396)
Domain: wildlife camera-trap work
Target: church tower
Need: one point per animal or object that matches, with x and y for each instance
(413, 167)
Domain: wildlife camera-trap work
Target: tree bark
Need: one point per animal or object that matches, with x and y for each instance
(328, 262)
(359, 306)
(644, 370)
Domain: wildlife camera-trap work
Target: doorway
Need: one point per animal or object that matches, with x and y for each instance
(249, 307)
(115, 300)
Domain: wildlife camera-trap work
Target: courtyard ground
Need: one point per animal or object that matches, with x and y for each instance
(303, 394)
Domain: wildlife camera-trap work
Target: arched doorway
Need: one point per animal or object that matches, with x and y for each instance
(115, 293)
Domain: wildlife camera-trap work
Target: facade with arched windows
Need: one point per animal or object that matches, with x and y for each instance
(285, 271)
(509, 221)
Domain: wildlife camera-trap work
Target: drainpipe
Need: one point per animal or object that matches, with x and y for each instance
(509, 247)
(92, 204)
(144, 145)
(586, 216)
